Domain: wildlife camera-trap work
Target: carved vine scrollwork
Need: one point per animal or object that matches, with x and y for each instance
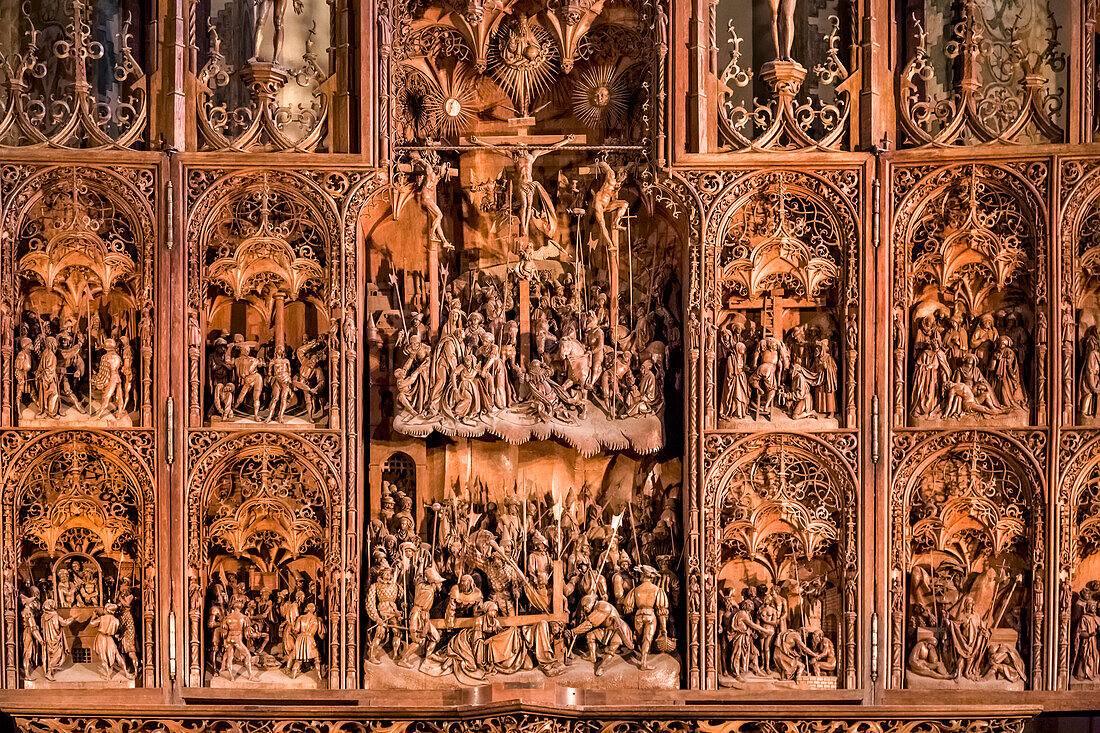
(967, 560)
(1003, 93)
(52, 93)
(783, 121)
(522, 723)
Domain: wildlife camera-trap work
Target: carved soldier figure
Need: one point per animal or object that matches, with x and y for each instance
(32, 635)
(46, 378)
(127, 631)
(1006, 375)
(382, 610)
(423, 635)
(248, 377)
(105, 646)
(108, 380)
(307, 628)
(649, 604)
(604, 630)
(234, 630)
(925, 659)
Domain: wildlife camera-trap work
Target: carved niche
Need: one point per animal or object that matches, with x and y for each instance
(970, 312)
(783, 283)
(268, 582)
(967, 561)
(983, 72)
(79, 568)
(272, 338)
(72, 77)
(265, 302)
(264, 76)
(780, 532)
(1078, 589)
(1080, 297)
(77, 317)
(767, 97)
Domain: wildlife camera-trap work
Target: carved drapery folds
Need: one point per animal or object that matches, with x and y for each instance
(77, 319)
(970, 323)
(80, 595)
(785, 284)
(770, 101)
(72, 78)
(1004, 80)
(967, 561)
(780, 531)
(267, 573)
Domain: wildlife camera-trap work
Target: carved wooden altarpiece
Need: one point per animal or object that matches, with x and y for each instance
(549, 365)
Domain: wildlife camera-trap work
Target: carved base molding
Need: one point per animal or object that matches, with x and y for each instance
(522, 723)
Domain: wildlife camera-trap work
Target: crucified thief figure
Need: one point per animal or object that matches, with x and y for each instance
(277, 10)
(783, 25)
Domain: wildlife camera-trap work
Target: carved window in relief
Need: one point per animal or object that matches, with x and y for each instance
(259, 328)
(81, 532)
(785, 80)
(967, 580)
(786, 279)
(781, 512)
(263, 548)
(980, 72)
(71, 74)
(81, 322)
(545, 66)
(970, 319)
(263, 74)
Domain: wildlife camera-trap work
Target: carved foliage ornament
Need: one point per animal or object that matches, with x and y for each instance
(1003, 91)
(53, 95)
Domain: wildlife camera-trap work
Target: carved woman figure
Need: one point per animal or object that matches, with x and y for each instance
(1086, 664)
(494, 377)
(983, 338)
(802, 379)
(1006, 375)
(930, 374)
(735, 398)
(825, 368)
(463, 400)
(1090, 374)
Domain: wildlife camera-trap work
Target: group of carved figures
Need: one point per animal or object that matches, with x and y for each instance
(257, 627)
(761, 636)
(477, 366)
(969, 635)
(969, 366)
(52, 366)
(524, 585)
(242, 376)
(760, 372)
(48, 621)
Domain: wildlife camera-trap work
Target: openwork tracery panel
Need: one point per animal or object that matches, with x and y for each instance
(780, 523)
(969, 296)
(79, 549)
(967, 561)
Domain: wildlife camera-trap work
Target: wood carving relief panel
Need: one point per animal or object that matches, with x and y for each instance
(272, 555)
